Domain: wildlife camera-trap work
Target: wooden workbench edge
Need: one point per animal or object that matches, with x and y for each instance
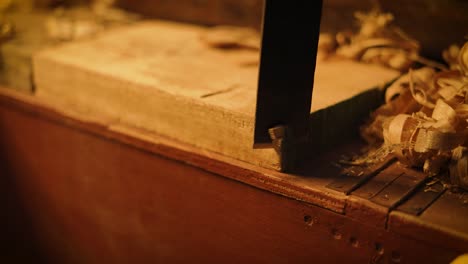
(412, 226)
(264, 179)
(110, 129)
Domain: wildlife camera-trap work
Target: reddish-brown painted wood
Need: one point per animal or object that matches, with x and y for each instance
(422, 199)
(375, 185)
(305, 186)
(96, 196)
(400, 189)
(359, 176)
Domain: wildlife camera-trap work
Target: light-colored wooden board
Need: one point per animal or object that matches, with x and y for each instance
(35, 30)
(161, 77)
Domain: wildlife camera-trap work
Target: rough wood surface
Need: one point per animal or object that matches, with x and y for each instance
(161, 77)
(96, 195)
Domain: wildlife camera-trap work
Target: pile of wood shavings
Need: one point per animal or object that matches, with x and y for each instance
(377, 41)
(424, 121)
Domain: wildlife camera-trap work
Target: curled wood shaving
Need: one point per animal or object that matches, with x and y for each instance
(419, 94)
(378, 41)
(424, 121)
(450, 55)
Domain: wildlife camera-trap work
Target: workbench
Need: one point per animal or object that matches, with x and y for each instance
(76, 190)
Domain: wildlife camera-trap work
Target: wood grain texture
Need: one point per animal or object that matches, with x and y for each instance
(98, 196)
(160, 77)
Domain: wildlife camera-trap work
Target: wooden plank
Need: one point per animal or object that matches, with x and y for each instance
(157, 75)
(366, 212)
(354, 177)
(134, 205)
(400, 189)
(396, 187)
(379, 182)
(450, 208)
(422, 199)
(419, 228)
(445, 216)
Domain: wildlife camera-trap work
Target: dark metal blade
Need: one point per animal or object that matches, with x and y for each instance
(289, 49)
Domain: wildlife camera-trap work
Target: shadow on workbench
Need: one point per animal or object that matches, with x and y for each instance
(18, 243)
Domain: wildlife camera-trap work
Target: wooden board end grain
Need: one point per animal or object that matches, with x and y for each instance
(161, 77)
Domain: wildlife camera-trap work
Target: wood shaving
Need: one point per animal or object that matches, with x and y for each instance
(451, 56)
(424, 121)
(66, 24)
(378, 41)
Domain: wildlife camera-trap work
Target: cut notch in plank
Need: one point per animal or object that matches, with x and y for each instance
(160, 76)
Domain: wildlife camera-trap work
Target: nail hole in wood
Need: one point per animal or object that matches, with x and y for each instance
(396, 257)
(308, 219)
(336, 234)
(354, 242)
(379, 248)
